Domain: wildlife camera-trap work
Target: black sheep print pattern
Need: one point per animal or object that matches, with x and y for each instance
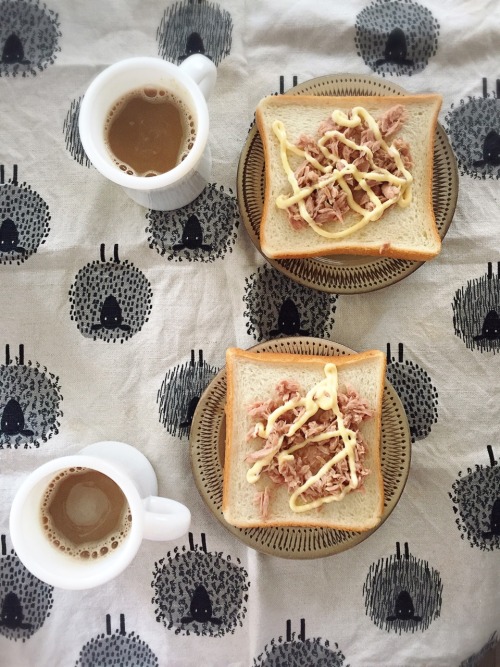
(120, 648)
(473, 127)
(476, 504)
(474, 659)
(30, 398)
(72, 139)
(202, 231)
(25, 601)
(276, 306)
(396, 37)
(29, 37)
(200, 592)
(180, 393)
(24, 219)
(110, 300)
(195, 26)
(402, 593)
(416, 391)
(476, 312)
(297, 650)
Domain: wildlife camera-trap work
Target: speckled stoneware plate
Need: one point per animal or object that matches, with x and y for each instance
(344, 274)
(207, 440)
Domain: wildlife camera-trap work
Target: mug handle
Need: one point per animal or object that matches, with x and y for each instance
(165, 519)
(202, 70)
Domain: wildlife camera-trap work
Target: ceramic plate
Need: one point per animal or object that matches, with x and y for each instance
(344, 274)
(207, 440)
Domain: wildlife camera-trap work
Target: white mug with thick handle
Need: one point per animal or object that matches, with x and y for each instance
(153, 517)
(192, 82)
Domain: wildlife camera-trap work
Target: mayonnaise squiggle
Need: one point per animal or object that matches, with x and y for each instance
(324, 396)
(332, 174)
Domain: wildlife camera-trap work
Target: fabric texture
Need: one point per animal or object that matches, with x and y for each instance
(65, 231)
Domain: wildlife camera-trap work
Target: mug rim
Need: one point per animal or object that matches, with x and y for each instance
(87, 133)
(52, 574)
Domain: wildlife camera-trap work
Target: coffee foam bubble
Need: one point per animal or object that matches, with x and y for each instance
(88, 550)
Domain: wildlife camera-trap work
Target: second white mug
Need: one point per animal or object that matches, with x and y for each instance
(149, 516)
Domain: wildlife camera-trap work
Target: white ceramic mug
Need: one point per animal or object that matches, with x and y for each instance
(192, 82)
(153, 517)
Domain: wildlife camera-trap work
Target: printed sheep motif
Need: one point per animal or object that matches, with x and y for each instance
(117, 648)
(275, 306)
(110, 300)
(200, 592)
(297, 651)
(25, 601)
(24, 220)
(30, 397)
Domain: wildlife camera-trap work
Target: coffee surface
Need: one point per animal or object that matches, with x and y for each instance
(85, 513)
(149, 131)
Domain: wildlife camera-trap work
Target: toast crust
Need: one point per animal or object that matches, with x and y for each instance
(354, 248)
(307, 519)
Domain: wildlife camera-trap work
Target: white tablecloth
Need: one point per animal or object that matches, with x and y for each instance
(76, 386)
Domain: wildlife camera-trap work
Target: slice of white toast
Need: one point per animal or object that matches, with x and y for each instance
(252, 377)
(405, 233)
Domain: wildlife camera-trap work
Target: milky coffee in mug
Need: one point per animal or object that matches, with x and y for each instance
(143, 82)
(84, 513)
(149, 131)
(103, 497)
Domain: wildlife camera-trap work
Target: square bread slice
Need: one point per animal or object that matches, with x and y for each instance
(402, 232)
(252, 377)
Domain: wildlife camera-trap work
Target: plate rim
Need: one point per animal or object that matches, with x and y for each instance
(281, 264)
(240, 533)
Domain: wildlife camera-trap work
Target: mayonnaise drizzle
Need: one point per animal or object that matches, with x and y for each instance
(324, 396)
(332, 174)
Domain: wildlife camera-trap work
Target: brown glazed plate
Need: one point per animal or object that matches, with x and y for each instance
(207, 443)
(344, 274)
